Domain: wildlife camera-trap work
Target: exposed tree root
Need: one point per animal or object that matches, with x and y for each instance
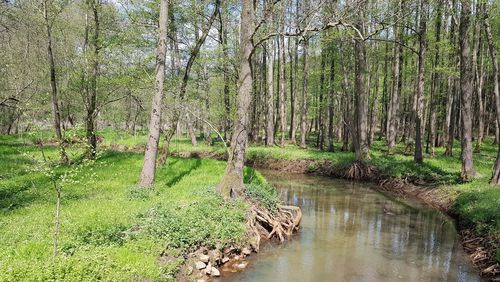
(481, 251)
(359, 170)
(279, 224)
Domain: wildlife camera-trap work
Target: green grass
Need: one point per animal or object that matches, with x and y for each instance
(110, 229)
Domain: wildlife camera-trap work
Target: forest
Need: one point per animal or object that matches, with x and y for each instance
(137, 137)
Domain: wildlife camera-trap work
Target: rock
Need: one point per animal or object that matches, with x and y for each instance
(189, 270)
(204, 258)
(200, 280)
(200, 265)
(215, 272)
(216, 255)
(242, 265)
(225, 259)
(246, 251)
(208, 270)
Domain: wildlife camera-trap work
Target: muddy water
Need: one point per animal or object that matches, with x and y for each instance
(347, 236)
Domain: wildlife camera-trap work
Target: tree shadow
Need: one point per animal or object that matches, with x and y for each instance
(176, 170)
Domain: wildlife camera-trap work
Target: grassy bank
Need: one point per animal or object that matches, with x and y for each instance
(110, 229)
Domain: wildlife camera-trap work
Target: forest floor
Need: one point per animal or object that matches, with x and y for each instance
(109, 228)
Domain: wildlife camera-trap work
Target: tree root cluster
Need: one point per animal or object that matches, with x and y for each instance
(280, 224)
(482, 257)
(359, 170)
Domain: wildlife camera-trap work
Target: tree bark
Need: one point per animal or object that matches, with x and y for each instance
(92, 98)
(53, 84)
(331, 90)
(362, 150)
(466, 91)
(282, 79)
(270, 94)
(477, 68)
(419, 94)
(149, 168)
(452, 96)
(303, 108)
(431, 137)
(495, 180)
(232, 182)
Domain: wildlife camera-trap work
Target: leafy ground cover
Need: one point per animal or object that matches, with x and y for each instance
(110, 229)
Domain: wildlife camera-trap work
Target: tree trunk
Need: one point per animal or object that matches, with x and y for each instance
(331, 91)
(362, 150)
(477, 68)
(320, 115)
(149, 169)
(282, 79)
(92, 99)
(303, 113)
(393, 112)
(452, 96)
(53, 84)
(419, 94)
(466, 90)
(232, 182)
(495, 180)
(270, 94)
(292, 91)
(431, 137)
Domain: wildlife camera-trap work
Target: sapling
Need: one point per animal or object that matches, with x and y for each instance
(58, 177)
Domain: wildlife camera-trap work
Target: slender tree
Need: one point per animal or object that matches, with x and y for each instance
(418, 107)
(466, 91)
(149, 168)
(495, 180)
(362, 150)
(53, 83)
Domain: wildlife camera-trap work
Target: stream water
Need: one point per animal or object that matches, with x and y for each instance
(352, 233)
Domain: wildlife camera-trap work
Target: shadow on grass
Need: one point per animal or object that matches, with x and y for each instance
(408, 168)
(175, 170)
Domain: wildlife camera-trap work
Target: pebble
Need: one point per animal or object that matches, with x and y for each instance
(242, 265)
(204, 258)
(215, 272)
(200, 265)
(246, 251)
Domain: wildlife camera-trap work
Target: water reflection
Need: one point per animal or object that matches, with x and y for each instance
(347, 236)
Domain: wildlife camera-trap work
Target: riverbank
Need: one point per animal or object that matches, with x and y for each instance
(482, 247)
(475, 205)
(110, 229)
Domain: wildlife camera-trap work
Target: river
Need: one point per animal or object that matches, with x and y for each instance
(351, 232)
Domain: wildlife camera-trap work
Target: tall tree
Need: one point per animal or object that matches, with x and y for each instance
(53, 83)
(393, 111)
(91, 99)
(362, 150)
(466, 91)
(270, 93)
(418, 107)
(495, 180)
(282, 77)
(149, 168)
(305, 73)
(431, 137)
(232, 181)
